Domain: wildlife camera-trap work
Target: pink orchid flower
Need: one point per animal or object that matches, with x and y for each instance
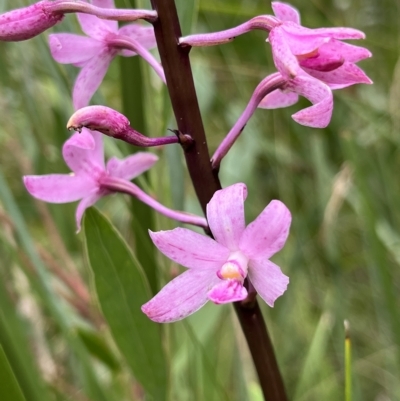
(300, 53)
(218, 267)
(94, 53)
(88, 173)
(91, 178)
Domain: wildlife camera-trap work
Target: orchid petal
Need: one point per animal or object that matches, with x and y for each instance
(95, 27)
(112, 25)
(181, 297)
(225, 215)
(284, 59)
(267, 234)
(82, 140)
(67, 48)
(340, 33)
(268, 280)
(277, 99)
(143, 34)
(89, 162)
(319, 94)
(301, 45)
(346, 75)
(285, 12)
(85, 203)
(59, 188)
(90, 77)
(190, 249)
(97, 155)
(346, 51)
(131, 166)
(227, 291)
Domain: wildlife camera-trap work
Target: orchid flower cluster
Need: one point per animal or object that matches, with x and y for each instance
(231, 263)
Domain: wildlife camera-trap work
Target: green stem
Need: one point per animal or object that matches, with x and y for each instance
(178, 73)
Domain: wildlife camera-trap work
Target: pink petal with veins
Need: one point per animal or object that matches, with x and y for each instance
(346, 75)
(267, 234)
(278, 99)
(225, 215)
(59, 188)
(181, 297)
(268, 280)
(190, 249)
(131, 166)
(285, 12)
(67, 48)
(284, 59)
(90, 77)
(227, 291)
(319, 94)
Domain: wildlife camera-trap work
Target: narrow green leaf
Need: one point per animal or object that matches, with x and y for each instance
(133, 86)
(98, 347)
(10, 389)
(122, 289)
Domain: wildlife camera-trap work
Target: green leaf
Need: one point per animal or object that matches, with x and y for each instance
(133, 87)
(98, 347)
(122, 289)
(10, 389)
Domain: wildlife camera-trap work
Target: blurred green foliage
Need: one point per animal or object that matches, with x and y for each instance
(341, 184)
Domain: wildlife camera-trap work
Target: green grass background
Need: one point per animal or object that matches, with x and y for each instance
(342, 185)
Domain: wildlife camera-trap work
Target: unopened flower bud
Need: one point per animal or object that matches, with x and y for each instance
(25, 23)
(99, 118)
(112, 123)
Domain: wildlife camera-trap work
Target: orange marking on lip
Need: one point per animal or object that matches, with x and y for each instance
(230, 271)
(305, 56)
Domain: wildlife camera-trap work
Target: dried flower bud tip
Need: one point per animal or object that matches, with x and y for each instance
(99, 118)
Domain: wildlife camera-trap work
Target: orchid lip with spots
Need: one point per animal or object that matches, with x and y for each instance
(217, 268)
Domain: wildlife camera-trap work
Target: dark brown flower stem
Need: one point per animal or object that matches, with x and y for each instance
(178, 73)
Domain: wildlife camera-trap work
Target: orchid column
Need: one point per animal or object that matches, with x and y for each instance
(175, 61)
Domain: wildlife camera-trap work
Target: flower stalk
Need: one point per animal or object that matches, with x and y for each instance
(114, 124)
(261, 22)
(115, 184)
(176, 63)
(77, 6)
(266, 86)
(127, 43)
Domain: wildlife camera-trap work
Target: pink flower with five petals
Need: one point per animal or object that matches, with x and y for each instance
(218, 267)
(94, 53)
